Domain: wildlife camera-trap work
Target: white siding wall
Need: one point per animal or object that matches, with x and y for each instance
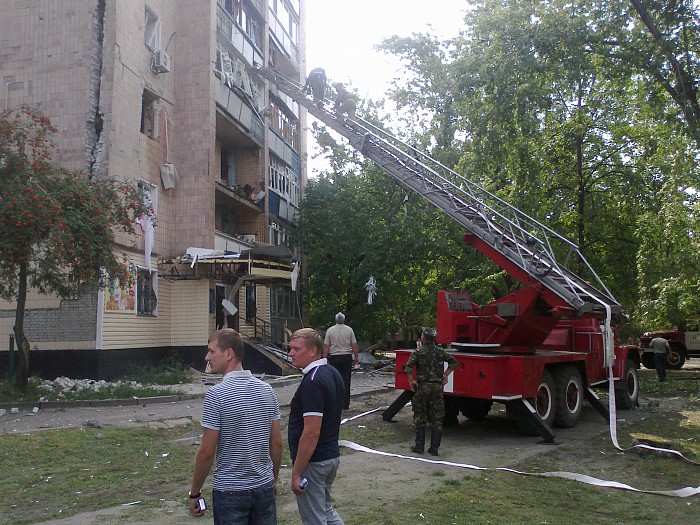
(190, 313)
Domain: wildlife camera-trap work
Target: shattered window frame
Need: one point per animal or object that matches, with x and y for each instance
(152, 30)
(146, 292)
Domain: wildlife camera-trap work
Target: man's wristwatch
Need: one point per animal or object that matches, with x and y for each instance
(195, 496)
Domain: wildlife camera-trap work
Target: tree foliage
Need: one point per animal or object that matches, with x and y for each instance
(57, 227)
(581, 114)
(360, 223)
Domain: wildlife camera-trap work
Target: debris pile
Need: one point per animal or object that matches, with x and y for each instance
(63, 385)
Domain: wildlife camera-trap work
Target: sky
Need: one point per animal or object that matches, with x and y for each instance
(341, 35)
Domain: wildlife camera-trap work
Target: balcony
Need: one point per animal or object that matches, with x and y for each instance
(288, 49)
(237, 121)
(231, 33)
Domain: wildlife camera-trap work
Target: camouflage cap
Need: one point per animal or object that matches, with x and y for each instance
(429, 333)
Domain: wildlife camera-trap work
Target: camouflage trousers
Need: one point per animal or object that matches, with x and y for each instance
(428, 405)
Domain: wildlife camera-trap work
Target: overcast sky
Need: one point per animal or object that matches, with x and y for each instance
(341, 35)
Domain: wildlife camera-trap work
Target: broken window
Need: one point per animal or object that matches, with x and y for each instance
(284, 123)
(150, 114)
(284, 180)
(146, 292)
(279, 234)
(224, 221)
(228, 168)
(150, 198)
(152, 31)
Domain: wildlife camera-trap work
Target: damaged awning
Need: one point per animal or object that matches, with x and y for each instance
(260, 265)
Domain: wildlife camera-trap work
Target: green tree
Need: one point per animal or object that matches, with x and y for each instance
(356, 222)
(57, 227)
(550, 126)
(659, 41)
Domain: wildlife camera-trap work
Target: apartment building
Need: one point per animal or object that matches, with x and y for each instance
(165, 93)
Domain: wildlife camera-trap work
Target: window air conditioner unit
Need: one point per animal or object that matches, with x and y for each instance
(161, 62)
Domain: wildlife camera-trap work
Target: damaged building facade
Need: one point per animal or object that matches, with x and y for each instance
(165, 93)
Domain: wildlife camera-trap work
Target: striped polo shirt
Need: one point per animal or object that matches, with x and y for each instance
(242, 408)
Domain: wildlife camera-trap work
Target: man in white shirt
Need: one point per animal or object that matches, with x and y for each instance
(339, 346)
(661, 349)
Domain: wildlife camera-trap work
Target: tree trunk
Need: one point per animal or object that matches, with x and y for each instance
(22, 373)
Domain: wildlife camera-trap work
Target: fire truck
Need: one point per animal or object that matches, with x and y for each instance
(684, 342)
(542, 349)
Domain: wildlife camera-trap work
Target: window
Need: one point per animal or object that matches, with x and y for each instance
(224, 221)
(228, 168)
(282, 302)
(146, 292)
(285, 124)
(284, 180)
(251, 309)
(153, 31)
(150, 114)
(279, 233)
(150, 197)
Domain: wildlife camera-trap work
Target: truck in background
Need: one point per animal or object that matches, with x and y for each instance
(685, 343)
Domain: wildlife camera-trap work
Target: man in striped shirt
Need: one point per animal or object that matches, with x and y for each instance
(314, 426)
(241, 422)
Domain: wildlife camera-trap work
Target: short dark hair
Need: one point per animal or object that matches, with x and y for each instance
(311, 339)
(229, 338)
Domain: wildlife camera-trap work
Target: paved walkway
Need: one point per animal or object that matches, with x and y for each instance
(156, 412)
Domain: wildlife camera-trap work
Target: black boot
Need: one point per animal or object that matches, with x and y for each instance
(419, 447)
(435, 438)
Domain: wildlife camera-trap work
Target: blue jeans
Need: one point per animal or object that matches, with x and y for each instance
(245, 507)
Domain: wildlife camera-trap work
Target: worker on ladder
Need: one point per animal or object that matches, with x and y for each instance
(316, 85)
(344, 103)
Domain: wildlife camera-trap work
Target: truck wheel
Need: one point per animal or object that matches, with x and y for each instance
(543, 403)
(569, 396)
(648, 360)
(676, 359)
(627, 388)
(476, 409)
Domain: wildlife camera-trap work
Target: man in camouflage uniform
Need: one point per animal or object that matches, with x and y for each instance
(428, 404)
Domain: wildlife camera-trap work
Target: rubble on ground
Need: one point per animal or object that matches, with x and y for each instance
(63, 385)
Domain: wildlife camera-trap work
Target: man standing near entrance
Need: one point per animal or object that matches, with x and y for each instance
(339, 347)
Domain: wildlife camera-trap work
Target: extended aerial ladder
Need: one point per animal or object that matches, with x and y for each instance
(520, 244)
(541, 349)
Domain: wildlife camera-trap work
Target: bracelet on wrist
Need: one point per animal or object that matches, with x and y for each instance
(195, 496)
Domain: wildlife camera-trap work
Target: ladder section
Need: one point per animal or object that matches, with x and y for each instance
(522, 240)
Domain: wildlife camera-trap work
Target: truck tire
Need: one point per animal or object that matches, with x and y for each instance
(544, 404)
(476, 409)
(627, 388)
(569, 396)
(676, 359)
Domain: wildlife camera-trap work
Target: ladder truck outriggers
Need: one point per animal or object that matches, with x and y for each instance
(540, 350)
